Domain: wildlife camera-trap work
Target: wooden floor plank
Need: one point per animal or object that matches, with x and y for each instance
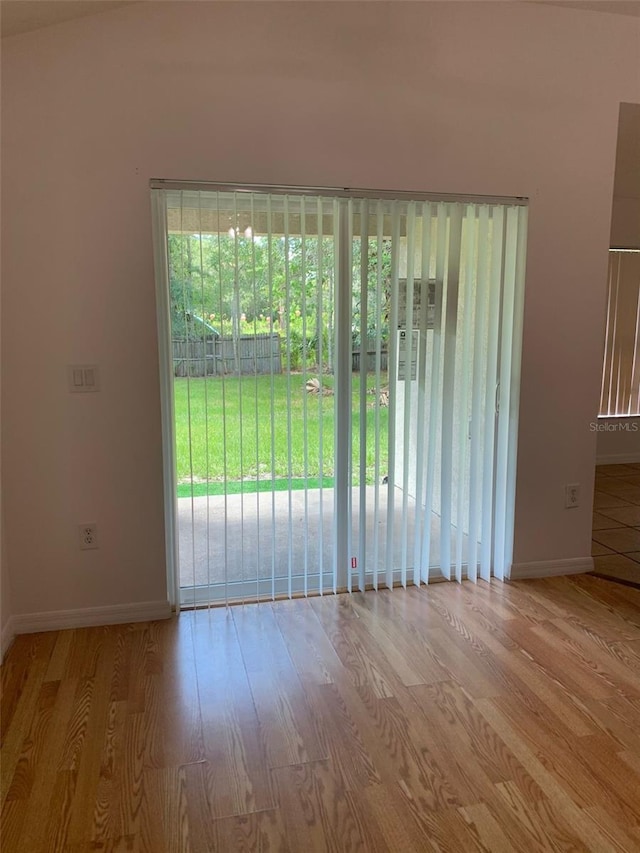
(57, 668)
(523, 677)
(171, 695)
(517, 600)
(235, 770)
(397, 821)
(347, 728)
(287, 724)
(366, 662)
(398, 639)
(456, 651)
(88, 766)
(586, 827)
(449, 743)
(124, 844)
(481, 717)
(259, 831)
(369, 738)
(307, 644)
(318, 813)
(462, 724)
(16, 804)
(588, 602)
(566, 669)
(301, 806)
(379, 718)
(605, 765)
(618, 662)
(15, 674)
(492, 833)
(105, 816)
(166, 828)
(619, 717)
(542, 825)
(46, 768)
(33, 653)
(565, 757)
(624, 601)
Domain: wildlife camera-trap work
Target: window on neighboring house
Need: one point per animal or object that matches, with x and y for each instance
(620, 395)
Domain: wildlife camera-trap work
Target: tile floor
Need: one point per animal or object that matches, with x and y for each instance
(616, 522)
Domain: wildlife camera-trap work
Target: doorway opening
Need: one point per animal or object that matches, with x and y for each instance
(340, 388)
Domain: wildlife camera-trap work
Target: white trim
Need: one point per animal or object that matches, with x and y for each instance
(269, 588)
(618, 459)
(85, 617)
(7, 637)
(551, 568)
(504, 363)
(163, 314)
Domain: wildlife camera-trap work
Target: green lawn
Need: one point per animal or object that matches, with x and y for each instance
(224, 431)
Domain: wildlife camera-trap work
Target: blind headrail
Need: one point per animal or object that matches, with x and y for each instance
(333, 192)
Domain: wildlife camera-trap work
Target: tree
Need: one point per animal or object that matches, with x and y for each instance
(239, 281)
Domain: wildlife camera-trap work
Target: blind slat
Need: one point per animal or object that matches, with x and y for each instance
(620, 394)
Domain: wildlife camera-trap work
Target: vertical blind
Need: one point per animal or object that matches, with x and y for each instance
(342, 380)
(620, 394)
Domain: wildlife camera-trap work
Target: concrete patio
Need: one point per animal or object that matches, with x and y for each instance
(263, 529)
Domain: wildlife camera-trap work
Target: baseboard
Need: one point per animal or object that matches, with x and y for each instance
(8, 633)
(619, 459)
(86, 617)
(551, 568)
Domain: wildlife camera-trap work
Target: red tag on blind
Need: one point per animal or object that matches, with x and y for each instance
(354, 563)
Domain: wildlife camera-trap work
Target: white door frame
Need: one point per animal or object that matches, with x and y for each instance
(507, 420)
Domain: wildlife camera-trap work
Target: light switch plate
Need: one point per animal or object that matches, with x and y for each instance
(83, 378)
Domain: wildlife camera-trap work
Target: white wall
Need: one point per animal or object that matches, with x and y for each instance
(618, 440)
(6, 634)
(625, 208)
(505, 98)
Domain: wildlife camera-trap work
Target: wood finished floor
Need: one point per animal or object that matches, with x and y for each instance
(481, 718)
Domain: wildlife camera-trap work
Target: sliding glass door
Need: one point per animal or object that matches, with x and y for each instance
(340, 388)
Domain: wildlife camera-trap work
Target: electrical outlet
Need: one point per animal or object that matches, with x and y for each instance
(572, 495)
(88, 536)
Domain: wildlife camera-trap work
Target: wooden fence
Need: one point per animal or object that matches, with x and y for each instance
(248, 355)
(370, 358)
(244, 355)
